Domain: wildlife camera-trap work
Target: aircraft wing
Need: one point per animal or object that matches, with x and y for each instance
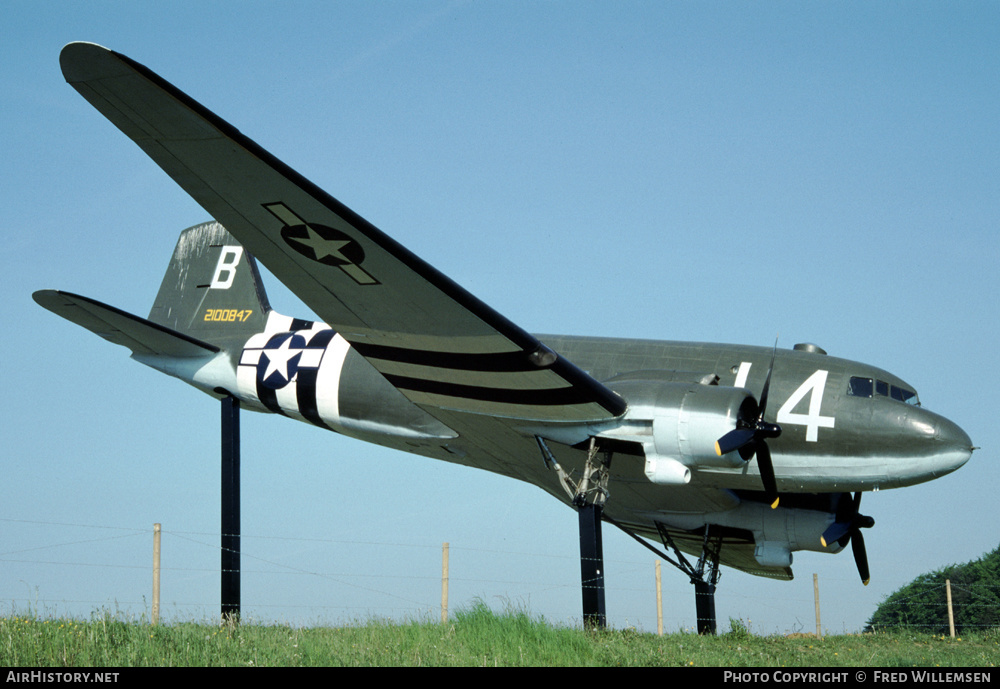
(433, 340)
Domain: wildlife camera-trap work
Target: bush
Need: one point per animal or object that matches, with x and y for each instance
(975, 594)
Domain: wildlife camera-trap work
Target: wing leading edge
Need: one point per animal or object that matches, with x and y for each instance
(438, 344)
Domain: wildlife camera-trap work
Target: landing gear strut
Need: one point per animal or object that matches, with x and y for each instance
(588, 496)
(704, 575)
(704, 582)
(591, 494)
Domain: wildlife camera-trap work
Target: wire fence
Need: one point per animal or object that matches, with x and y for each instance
(942, 607)
(55, 569)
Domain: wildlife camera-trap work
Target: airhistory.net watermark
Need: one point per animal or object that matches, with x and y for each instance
(32, 676)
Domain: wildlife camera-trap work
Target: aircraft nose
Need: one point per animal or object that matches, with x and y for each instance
(955, 441)
(952, 446)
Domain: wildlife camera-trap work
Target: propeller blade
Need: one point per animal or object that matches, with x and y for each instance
(749, 436)
(848, 525)
(834, 532)
(733, 440)
(843, 520)
(767, 473)
(767, 382)
(860, 556)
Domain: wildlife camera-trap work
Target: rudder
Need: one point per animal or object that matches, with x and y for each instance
(212, 289)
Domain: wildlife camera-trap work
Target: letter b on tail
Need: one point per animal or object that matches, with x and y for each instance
(212, 289)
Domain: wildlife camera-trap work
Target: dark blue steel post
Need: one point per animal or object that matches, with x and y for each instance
(704, 602)
(592, 566)
(230, 508)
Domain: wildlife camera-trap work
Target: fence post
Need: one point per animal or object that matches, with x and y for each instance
(156, 574)
(819, 632)
(951, 612)
(444, 583)
(659, 602)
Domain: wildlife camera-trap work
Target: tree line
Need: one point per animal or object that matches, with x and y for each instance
(975, 594)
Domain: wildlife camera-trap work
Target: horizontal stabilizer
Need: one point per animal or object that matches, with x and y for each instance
(143, 337)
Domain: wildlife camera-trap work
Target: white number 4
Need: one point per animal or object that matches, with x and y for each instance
(813, 386)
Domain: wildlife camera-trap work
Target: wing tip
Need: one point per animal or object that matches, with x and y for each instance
(83, 61)
(46, 297)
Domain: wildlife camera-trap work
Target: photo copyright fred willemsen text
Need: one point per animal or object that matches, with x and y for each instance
(791, 676)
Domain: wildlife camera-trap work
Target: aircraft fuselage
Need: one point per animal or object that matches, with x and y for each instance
(845, 425)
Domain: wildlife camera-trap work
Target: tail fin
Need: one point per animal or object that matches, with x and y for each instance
(212, 289)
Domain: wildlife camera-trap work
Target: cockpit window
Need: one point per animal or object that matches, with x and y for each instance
(904, 395)
(866, 387)
(860, 387)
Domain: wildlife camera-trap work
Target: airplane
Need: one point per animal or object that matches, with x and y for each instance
(739, 455)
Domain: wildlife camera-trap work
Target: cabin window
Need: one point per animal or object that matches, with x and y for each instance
(860, 387)
(882, 388)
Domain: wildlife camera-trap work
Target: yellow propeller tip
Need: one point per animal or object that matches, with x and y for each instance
(865, 582)
(823, 541)
(718, 450)
(775, 503)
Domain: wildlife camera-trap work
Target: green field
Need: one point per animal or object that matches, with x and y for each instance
(475, 637)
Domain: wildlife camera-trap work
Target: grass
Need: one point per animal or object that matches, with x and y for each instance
(476, 637)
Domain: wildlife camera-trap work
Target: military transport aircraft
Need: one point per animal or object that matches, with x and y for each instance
(740, 455)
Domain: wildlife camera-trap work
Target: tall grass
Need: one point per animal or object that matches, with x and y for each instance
(476, 636)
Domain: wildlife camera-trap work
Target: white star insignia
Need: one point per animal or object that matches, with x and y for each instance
(279, 358)
(323, 247)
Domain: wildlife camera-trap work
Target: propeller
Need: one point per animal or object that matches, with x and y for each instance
(847, 527)
(751, 434)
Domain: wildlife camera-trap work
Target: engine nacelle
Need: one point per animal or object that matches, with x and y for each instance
(777, 533)
(770, 554)
(686, 419)
(666, 471)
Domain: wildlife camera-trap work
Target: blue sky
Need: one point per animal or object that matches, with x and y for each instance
(695, 171)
